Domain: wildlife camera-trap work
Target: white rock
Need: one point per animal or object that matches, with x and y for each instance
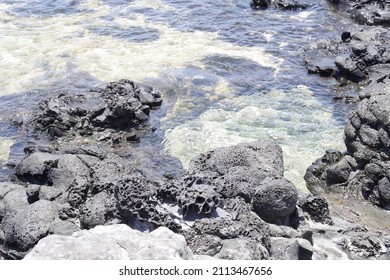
(114, 242)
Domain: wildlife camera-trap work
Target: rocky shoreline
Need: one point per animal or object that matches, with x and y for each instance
(79, 193)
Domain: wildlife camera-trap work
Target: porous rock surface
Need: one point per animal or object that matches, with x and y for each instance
(363, 170)
(110, 114)
(113, 242)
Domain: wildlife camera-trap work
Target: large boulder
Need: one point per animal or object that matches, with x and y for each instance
(275, 200)
(264, 156)
(24, 228)
(114, 242)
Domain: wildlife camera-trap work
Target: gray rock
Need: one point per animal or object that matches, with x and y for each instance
(13, 197)
(97, 210)
(284, 248)
(318, 209)
(239, 182)
(32, 192)
(115, 242)
(118, 109)
(275, 200)
(200, 200)
(35, 167)
(384, 190)
(61, 227)
(281, 4)
(49, 193)
(338, 172)
(305, 249)
(364, 246)
(349, 68)
(265, 156)
(206, 244)
(289, 232)
(242, 249)
(224, 228)
(28, 225)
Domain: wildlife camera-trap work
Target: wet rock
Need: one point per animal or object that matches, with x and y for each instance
(115, 242)
(290, 5)
(363, 171)
(317, 207)
(24, 228)
(355, 57)
(120, 107)
(350, 69)
(364, 246)
(365, 12)
(324, 66)
(275, 200)
(280, 4)
(260, 4)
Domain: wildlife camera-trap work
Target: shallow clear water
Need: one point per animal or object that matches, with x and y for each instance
(229, 74)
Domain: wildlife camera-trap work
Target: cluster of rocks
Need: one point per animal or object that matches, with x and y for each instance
(112, 114)
(221, 206)
(363, 170)
(371, 12)
(280, 4)
(361, 56)
(233, 203)
(354, 57)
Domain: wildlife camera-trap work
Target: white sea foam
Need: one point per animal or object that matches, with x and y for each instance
(5, 145)
(37, 52)
(304, 15)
